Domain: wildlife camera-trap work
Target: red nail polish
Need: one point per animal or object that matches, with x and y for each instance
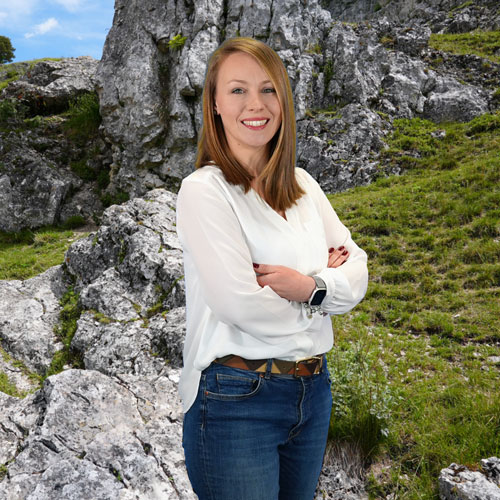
(255, 265)
(342, 247)
(345, 252)
(330, 250)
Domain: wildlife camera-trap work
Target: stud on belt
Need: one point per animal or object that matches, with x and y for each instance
(300, 368)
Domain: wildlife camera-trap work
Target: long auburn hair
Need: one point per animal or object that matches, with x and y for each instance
(278, 184)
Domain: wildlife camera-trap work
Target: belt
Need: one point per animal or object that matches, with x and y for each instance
(299, 368)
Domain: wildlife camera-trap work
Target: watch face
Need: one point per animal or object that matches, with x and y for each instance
(318, 297)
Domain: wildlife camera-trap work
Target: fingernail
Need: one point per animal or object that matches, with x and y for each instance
(255, 265)
(331, 250)
(345, 252)
(341, 248)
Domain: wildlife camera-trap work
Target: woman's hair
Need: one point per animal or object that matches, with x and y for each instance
(279, 187)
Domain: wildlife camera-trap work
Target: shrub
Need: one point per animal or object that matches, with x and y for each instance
(362, 399)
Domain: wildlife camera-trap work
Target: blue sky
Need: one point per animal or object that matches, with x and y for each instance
(56, 28)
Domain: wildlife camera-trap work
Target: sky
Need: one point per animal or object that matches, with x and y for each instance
(56, 28)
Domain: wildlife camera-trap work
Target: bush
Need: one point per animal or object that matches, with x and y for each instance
(362, 399)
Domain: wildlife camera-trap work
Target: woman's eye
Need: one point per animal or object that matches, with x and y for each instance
(237, 91)
(269, 90)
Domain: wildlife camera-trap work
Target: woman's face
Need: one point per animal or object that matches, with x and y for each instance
(248, 106)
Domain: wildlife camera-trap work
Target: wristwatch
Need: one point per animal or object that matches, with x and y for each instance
(319, 293)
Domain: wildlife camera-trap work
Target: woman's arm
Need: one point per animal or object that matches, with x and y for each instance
(346, 276)
(214, 243)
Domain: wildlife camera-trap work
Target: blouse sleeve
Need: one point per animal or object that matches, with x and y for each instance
(211, 235)
(347, 284)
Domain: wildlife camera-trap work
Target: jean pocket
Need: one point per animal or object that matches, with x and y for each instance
(226, 387)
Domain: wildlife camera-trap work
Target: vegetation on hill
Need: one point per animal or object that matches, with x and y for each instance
(481, 43)
(422, 348)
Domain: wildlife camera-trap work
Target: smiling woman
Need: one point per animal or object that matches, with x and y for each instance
(266, 261)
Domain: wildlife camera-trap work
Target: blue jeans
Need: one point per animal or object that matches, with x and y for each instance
(255, 436)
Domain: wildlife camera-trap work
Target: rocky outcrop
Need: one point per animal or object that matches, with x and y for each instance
(49, 85)
(443, 16)
(47, 176)
(150, 81)
(88, 436)
(29, 311)
(457, 482)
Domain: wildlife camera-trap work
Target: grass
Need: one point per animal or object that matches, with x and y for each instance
(431, 316)
(83, 117)
(28, 253)
(65, 330)
(6, 386)
(481, 43)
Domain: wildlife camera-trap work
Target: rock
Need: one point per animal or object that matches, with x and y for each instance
(38, 183)
(444, 16)
(338, 150)
(29, 310)
(457, 482)
(129, 277)
(152, 121)
(89, 436)
(48, 86)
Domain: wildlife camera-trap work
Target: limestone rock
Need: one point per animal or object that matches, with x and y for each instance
(38, 186)
(48, 86)
(129, 276)
(457, 482)
(97, 437)
(451, 16)
(152, 120)
(29, 311)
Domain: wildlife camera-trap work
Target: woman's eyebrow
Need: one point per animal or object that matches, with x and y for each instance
(244, 81)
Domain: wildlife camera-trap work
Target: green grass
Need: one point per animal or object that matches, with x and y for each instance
(431, 316)
(28, 253)
(83, 117)
(8, 387)
(65, 330)
(481, 43)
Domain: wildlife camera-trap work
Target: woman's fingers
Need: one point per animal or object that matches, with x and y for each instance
(337, 256)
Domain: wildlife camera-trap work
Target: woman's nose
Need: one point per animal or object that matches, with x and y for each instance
(255, 101)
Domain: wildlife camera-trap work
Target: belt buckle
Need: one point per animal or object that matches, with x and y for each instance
(296, 367)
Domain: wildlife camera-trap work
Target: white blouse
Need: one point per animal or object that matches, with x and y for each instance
(223, 231)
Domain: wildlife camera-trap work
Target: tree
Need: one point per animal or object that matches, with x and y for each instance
(6, 50)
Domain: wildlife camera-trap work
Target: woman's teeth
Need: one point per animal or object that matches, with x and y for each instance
(254, 123)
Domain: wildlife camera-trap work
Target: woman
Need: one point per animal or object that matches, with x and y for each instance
(266, 260)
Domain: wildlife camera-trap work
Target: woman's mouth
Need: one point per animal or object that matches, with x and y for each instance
(255, 124)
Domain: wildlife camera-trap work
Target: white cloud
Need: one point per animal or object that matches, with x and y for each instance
(18, 8)
(45, 27)
(71, 5)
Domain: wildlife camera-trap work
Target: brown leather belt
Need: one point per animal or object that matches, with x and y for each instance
(299, 368)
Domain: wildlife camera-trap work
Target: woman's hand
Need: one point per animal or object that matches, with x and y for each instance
(285, 281)
(336, 257)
